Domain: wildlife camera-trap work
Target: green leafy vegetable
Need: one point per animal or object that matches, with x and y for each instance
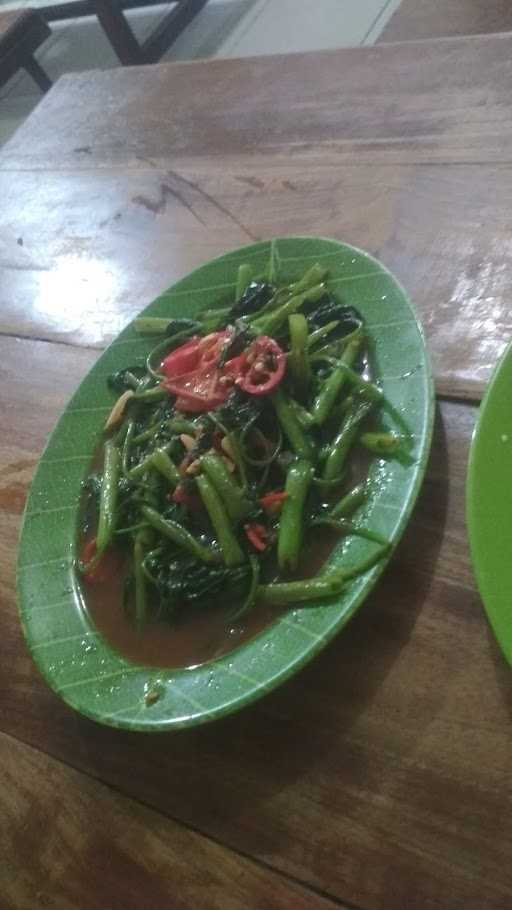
(208, 504)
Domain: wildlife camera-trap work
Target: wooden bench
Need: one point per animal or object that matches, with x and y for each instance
(21, 33)
(419, 19)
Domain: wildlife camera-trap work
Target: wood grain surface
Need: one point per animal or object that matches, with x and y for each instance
(114, 240)
(434, 101)
(417, 19)
(380, 775)
(139, 859)
(402, 150)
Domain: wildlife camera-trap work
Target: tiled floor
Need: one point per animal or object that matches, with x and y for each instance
(224, 28)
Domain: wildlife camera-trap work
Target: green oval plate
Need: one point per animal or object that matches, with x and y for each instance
(489, 502)
(74, 659)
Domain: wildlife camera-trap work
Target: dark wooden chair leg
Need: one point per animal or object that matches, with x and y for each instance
(170, 28)
(118, 32)
(73, 9)
(38, 74)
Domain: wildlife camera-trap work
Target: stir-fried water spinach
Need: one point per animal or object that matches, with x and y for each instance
(232, 446)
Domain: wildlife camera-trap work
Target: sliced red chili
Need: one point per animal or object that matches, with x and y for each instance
(200, 390)
(98, 570)
(235, 366)
(211, 346)
(262, 367)
(193, 375)
(189, 405)
(191, 500)
(272, 501)
(183, 359)
(194, 354)
(201, 386)
(257, 534)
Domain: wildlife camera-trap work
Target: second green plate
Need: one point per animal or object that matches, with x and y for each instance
(489, 502)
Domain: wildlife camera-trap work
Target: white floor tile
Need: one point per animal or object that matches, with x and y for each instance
(9, 86)
(13, 111)
(207, 32)
(13, 4)
(283, 26)
(382, 19)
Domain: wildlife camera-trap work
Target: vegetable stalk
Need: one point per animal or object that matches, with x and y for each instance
(179, 535)
(243, 279)
(270, 323)
(300, 443)
(298, 362)
(343, 441)
(329, 585)
(332, 387)
(232, 496)
(108, 497)
(291, 526)
(228, 543)
(350, 502)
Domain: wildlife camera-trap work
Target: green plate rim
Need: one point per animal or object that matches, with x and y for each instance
(184, 691)
(474, 504)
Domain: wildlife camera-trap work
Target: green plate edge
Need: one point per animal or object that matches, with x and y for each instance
(74, 659)
(489, 502)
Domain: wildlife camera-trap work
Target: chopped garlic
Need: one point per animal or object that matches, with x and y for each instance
(117, 412)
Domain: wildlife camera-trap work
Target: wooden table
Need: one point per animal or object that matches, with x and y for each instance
(378, 778)
(416, 19)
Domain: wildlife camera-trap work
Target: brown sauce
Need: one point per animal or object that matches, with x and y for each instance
(193, 637)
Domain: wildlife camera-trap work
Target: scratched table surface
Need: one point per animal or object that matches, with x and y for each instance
(379, 777)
